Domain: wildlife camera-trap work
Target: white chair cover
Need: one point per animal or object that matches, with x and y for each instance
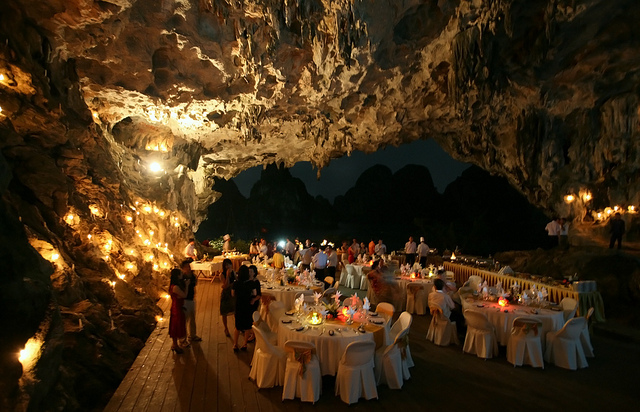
(564, 348)
(525, 344)
(268, 363)
(416, 298)
(276, 310)
(344, 274)
(350, 281)
(569, 307)
(386, 310)
(264, 327)
(355, 378)
(473, 282)
(585, 338)
(481, 335)
(391, 362)
(441, 330)
(302, 377)
(403, 322)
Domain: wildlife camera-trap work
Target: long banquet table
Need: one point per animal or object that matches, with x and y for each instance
(556, 293)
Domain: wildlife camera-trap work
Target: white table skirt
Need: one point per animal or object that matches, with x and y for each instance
(551, 320)
(360, 280)
(207, 268)
(329, 348)
(287, 294)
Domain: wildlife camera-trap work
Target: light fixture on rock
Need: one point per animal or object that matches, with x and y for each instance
(155, 167)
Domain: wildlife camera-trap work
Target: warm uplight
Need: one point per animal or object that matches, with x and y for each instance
(147, 209)
(161, 213)
(159, 318)
(631, 209)
(128, 218)
(121, 276)
(54, 256)
(616, 208)
(130, 266)
(587, 197)
(70, 218)
(453, 256)
(165, 264)
(314, 318)
(167, 296)
(569, 198)
(88, 236)
(1, 77)
(150, 257)
(155, 167)
(94, 210)
(176, 224)
(599, 215)
(155, 267)
(131, 252)
(151, 232)
(413, 275)
(502, 302)
(30, 354)
(156, 210)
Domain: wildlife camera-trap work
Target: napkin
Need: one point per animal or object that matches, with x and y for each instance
(366, 305)
(317, 297)
(351, 311)
(337, 296)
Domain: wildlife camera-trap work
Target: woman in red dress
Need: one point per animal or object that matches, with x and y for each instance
(177, 323)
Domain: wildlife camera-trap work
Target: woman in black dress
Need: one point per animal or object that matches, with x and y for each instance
(243, 292)
(227, 303)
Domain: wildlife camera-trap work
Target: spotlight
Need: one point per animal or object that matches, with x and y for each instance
(569, 198)
(155, 167)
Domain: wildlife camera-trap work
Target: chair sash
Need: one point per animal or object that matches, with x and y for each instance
(414, 288)
(302, 356)
(266, 299)
(402, 344)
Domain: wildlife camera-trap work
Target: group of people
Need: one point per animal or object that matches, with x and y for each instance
(558, 232)
(240, 296)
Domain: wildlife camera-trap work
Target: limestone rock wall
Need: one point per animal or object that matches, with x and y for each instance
(117, 114)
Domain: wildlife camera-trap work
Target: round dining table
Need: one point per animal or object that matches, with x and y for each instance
(330, 348)
(287, 293)
(502, 318)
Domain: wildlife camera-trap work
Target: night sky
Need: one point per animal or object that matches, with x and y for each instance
(341, 174)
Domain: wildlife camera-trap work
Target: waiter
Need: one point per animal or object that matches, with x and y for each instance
(190, 251)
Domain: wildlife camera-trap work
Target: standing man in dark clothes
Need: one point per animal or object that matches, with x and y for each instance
(617, 230)
(189, 302)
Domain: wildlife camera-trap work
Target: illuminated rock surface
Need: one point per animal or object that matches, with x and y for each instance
(542, 92)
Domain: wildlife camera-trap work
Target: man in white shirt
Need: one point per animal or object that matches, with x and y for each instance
(440, 299)
(423, 252)
(410, 251)
(264, 249)
(381, 248)
(290, 249)
(226, 246)
(553, 229)
(190, 251)
(355, 247)
(319, 260)
(305, 258)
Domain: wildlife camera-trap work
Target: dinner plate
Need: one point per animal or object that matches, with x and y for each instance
(287, 320)
(377, 322)
(480, 306)
(290, 313)
(373, 313)
(299, 328)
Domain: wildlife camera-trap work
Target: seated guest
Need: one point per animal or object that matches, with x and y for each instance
(383, 290)
(449, 287)
(441, 299)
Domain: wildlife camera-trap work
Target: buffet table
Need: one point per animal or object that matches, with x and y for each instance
(208, 270)
(330, 348)
(235, 259)
(502, 318)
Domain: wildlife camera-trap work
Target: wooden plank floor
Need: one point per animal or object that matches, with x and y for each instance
(209, 376)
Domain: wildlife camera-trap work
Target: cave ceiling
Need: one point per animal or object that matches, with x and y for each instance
(543, 92)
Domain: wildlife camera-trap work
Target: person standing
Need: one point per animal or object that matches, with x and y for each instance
(319, 263)
(190, 251)
(189, 301)
(332, 262)
(227, 303)
(372, 248)
(306, 256)
(355, 247)
(381, 248)
(226, 246)
(410, 251)
(553, 229)
(242, 290)
(177, 326)
(564, 234)
(290, 249)
(423, 252)
(617, 230)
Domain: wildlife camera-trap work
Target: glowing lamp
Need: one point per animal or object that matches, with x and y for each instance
(131, 252)
(167, 296)
(599, 215)
(150, 257)
(177, 224)
(151, 232)
(155, 167)
(1, 77)
(155, 267)
(128, 219)
(121, 276)
(631, 209)
(147, 209)
(569, 198)
(413, 275)
(502, 302)
(161, 213)
(281, 243)
(615, 208)
(453, 256)
(314, 318)
(159, 318)
(130, 266)
(54, 256)
(587, 197)
(88, 236)
(30, 354)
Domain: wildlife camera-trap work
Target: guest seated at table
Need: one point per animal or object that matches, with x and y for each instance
(278, 259)
(256, 291)
(353, 251)
(441, 299)
(243, 290)
(190, 251)
(449, 287)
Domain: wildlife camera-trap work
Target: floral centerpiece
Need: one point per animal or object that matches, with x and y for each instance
(332, 307)
(291, 275)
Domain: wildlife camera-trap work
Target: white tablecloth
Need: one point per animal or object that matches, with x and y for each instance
(287, 294)
(206, 268)
(329, 348)
(503, 321)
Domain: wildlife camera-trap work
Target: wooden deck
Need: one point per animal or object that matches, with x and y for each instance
(209, 376)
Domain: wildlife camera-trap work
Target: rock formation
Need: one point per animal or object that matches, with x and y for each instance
(116, 115)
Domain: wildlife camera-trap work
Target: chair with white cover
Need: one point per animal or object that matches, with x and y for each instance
(265, 301)
(473, 282)
(268, 363)
(386, 310)
(302, 377)
(569, 307)
(481, 335)
(564, 348)
(416, 298)
(391, 362)
(404, 322)
(356, 378)
(276, 311)
(441, 330)
(328, 294)
(344, 273)
(264, 327)
(525, 344)
(350, 280)
(585, 338)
